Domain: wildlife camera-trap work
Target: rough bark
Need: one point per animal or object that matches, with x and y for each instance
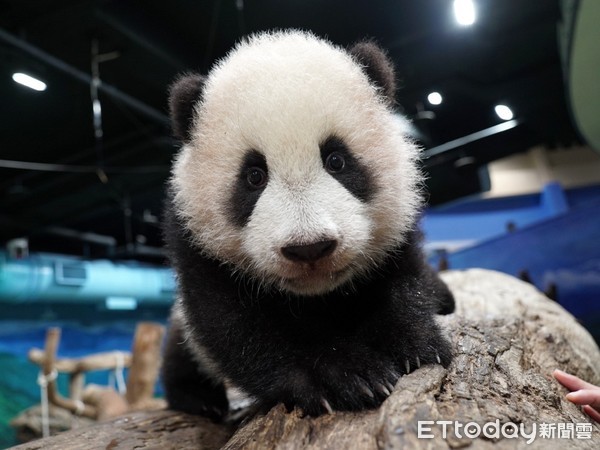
(507, 338)
(157, 430)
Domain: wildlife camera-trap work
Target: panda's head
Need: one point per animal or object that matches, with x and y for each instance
(294, 171)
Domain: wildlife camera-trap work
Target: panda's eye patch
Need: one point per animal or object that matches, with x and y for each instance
(256, 177)
(252, 177)
(335, 162)
(339, 162)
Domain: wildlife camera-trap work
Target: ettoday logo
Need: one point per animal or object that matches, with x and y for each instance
(508, 430)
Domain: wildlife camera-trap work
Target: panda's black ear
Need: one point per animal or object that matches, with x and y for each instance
(184, 93)
(377, 66)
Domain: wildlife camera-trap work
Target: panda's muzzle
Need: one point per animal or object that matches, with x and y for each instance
(309, 253)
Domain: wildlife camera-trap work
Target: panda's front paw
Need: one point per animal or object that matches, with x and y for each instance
(341, 387)
(434, 350)
(411, 363)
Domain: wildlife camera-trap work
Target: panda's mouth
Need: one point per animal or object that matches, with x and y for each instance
(316, 273)
(324, 268)
(315, 281)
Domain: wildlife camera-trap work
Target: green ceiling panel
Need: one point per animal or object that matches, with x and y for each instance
(584, 71)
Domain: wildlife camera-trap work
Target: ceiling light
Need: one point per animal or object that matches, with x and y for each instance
(121, 303)
(29, 81)
(464, 12)
(504, 112)
(435, 98)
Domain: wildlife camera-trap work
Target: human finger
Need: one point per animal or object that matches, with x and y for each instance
(572, 382)
(585, 397)
(595, 415)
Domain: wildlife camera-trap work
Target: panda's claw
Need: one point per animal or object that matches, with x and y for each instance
(365, 389)
(418, 361)
(391, 379)
(407, 365)
(381, 388)
(390, 386)
(325, 404)
(437, 358)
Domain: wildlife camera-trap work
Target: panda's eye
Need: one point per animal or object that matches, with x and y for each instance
(256, 177)
(335, 163)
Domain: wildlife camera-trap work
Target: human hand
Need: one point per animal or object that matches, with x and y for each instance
(582, 393)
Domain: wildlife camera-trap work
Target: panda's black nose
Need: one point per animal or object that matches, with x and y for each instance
(309, 252)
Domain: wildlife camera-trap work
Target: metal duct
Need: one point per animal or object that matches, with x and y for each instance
(50, 278)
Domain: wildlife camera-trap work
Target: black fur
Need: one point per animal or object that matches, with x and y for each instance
(347, 347)
(184, 93)
(377, 66)
(355, 177)
(244, 197)
(193, 390)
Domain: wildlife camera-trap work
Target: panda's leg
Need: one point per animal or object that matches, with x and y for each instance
(429, 282)
(438, 292)
(189, 387)
(444, 297)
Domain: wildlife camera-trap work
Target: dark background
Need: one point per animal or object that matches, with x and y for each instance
(511, 55)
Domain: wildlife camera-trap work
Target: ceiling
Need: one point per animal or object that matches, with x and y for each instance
(104, 195)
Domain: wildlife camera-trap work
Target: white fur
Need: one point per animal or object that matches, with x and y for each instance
(283, 94)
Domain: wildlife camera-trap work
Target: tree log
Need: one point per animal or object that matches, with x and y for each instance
(97, 361)
(508, 338)
(145, 364)
(158, 430)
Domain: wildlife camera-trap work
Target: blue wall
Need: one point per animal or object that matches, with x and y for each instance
(556, 243)
(477, 219)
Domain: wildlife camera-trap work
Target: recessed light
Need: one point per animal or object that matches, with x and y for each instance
(464, 12)
(504, 112)
(435, 98)
(29, 81)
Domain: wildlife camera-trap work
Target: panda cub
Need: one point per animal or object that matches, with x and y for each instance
(290, 222)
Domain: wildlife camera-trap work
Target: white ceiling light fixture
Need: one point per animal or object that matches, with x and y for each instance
(504, 112)
(435, 98)
(29, 81)
(464, 12)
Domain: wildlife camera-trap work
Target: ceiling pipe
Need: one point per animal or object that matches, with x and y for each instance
(84, 78)
(137, 27)
(464, 140)
(92, 238)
